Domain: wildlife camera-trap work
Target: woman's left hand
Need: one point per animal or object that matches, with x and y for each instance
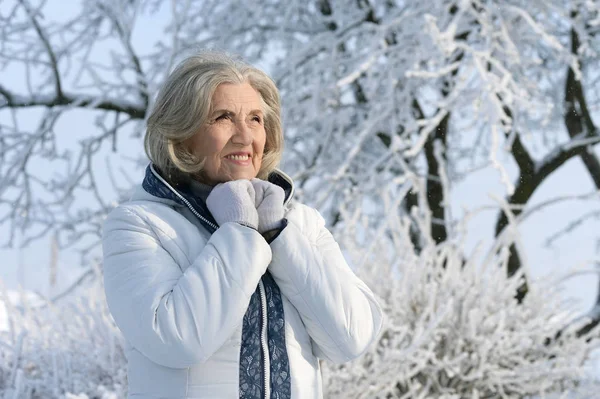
(269, 204)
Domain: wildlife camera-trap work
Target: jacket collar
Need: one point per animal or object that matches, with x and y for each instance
(155, 185)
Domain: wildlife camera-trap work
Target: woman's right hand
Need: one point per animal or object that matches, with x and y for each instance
(233, 201)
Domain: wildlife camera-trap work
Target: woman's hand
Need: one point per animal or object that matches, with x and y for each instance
(233, 201)
(269, 204)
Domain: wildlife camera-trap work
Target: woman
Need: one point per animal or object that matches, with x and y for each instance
(222, 286)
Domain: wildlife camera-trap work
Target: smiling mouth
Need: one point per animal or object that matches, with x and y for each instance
(244, 157)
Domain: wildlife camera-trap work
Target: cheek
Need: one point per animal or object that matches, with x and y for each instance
(215, 145)
(209, 143)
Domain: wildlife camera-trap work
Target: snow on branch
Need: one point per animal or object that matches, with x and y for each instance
(70, 100)
(564, 151)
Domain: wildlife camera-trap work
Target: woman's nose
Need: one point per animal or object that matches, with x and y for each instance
(243, 134)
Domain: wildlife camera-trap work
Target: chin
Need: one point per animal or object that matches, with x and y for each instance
(236, 176)
(245, 176)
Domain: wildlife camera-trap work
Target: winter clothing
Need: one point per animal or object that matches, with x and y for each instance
(233, 201)
(269, 205)
(199, 190)
(217, 312)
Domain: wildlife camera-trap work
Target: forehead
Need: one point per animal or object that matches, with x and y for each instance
(235, 96)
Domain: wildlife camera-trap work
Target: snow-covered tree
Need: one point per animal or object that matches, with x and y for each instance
(370, 87)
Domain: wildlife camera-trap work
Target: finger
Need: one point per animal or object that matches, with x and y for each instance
(260, 192)
(251, 191)
(275, 192)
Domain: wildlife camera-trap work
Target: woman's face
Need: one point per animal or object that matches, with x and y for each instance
(233, 138)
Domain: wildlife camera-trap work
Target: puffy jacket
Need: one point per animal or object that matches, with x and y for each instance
(218, 312)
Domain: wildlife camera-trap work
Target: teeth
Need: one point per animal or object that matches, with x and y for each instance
(238, 157)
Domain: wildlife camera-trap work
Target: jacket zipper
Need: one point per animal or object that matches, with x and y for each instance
(261, 289)
(186, 202)
(264, 341)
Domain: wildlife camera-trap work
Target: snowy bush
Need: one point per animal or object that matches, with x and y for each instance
(454, 328)
(68, 350)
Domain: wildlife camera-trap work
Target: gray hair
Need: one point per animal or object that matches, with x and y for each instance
(183, 105)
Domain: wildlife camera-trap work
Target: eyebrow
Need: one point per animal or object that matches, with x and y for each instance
(227, 111)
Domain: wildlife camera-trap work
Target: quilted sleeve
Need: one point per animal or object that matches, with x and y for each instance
(339, 311)
(177, 318)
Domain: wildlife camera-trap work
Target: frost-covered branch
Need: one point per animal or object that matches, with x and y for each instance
(72, 100)
(72, 91)
(43, 36)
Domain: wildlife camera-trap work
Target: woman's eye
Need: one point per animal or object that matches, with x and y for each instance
(257, 119)
(224, 116)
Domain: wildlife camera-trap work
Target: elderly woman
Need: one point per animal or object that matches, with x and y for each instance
(221, 284)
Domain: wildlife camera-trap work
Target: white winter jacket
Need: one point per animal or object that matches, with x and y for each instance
(228, 315)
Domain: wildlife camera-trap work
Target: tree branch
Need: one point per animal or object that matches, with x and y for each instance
(126, 41)
(47, 46)
(579, 123)
(521, 155)
(135, 111)
(435, 192)
(527, 184)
